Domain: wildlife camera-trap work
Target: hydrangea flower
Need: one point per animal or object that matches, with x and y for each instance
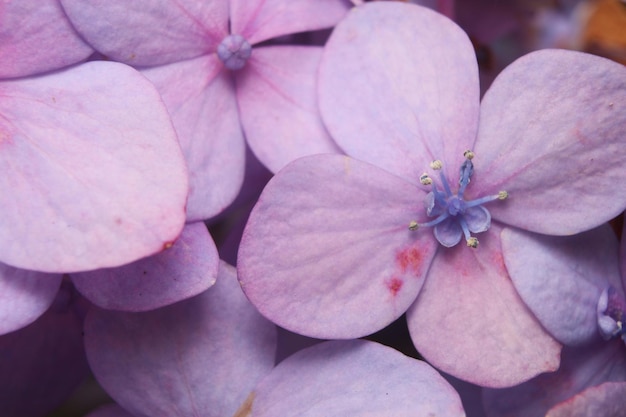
(205, 60)
(340, 246)
(213, 355)
(575, 286)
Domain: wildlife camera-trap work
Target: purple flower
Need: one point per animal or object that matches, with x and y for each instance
(338, 246)
(575, 286)
(213, 355)
(215, 80)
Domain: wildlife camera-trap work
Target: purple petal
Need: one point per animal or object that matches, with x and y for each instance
(150, 32)
(24, 296)
(448, 232)
(398, 87)
(279, 112)
(200, 96)
(606, 400)
(478, 219)
(36, 37)
(201, 356)
(555, 143)
(327, 251)
(469, 322)
(42, 364)
(259, 20)
(622, 255)
(561, 278)
(354, 378)
(580, 368)
(186, 269)
(97, 176)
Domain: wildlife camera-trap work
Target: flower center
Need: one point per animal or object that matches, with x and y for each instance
(611, 308)
(455, 217)
(234, 51)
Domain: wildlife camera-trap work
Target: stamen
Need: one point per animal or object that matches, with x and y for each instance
(503, 195)
(425, 179)
(468, 154)
(472, 242)
(436, 165)
(413, 225)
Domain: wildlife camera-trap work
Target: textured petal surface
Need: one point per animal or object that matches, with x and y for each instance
(37, 37)
(42, 364)
(327, 251)
(580, 368)
(24, 296)
(150, 32)
(97, 178)
(200, 97)
(398, 87)
(556, 144)
(606, 400)
(186, 269)
(201, 356)
(561, 278)
(279, 112)
(469, 322)
(258, 20)
(354, 378)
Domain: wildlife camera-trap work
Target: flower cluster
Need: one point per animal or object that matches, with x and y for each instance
(365, 165)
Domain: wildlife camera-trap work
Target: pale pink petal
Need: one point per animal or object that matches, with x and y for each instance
(37, 37)
(354, 378)
(561, 278)
(606, 400)
(327, 251)
(398, 87)
(150, 32)
(186, 269)
(198, 357)
(279, 113)
(469, 322)
(555, 143)
(96, 178)
(200, 97)
(259, 20)
(24, 296)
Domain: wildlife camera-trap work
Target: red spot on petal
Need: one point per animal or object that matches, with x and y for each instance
(167, 245)
(394, 284)
(409, 260)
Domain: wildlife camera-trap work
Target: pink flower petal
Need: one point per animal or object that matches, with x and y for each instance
(109, 410)
(150, 32)
(561, 278)
(606, 400)
(327, 251)
(200, 356)
(354, 378)
(469, 322)
(581, 368)
(97, 178)
(279, 113)
(259, 20)
(200, 96)
(36, 37)
(186, 269)
(398, 87)
(556, 144)
(24, 296)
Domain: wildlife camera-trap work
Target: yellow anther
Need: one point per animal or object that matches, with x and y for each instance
(468, 154)
(413, 225)
(436, 164)
(503, 195)
(472, 242)
(425, 179)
